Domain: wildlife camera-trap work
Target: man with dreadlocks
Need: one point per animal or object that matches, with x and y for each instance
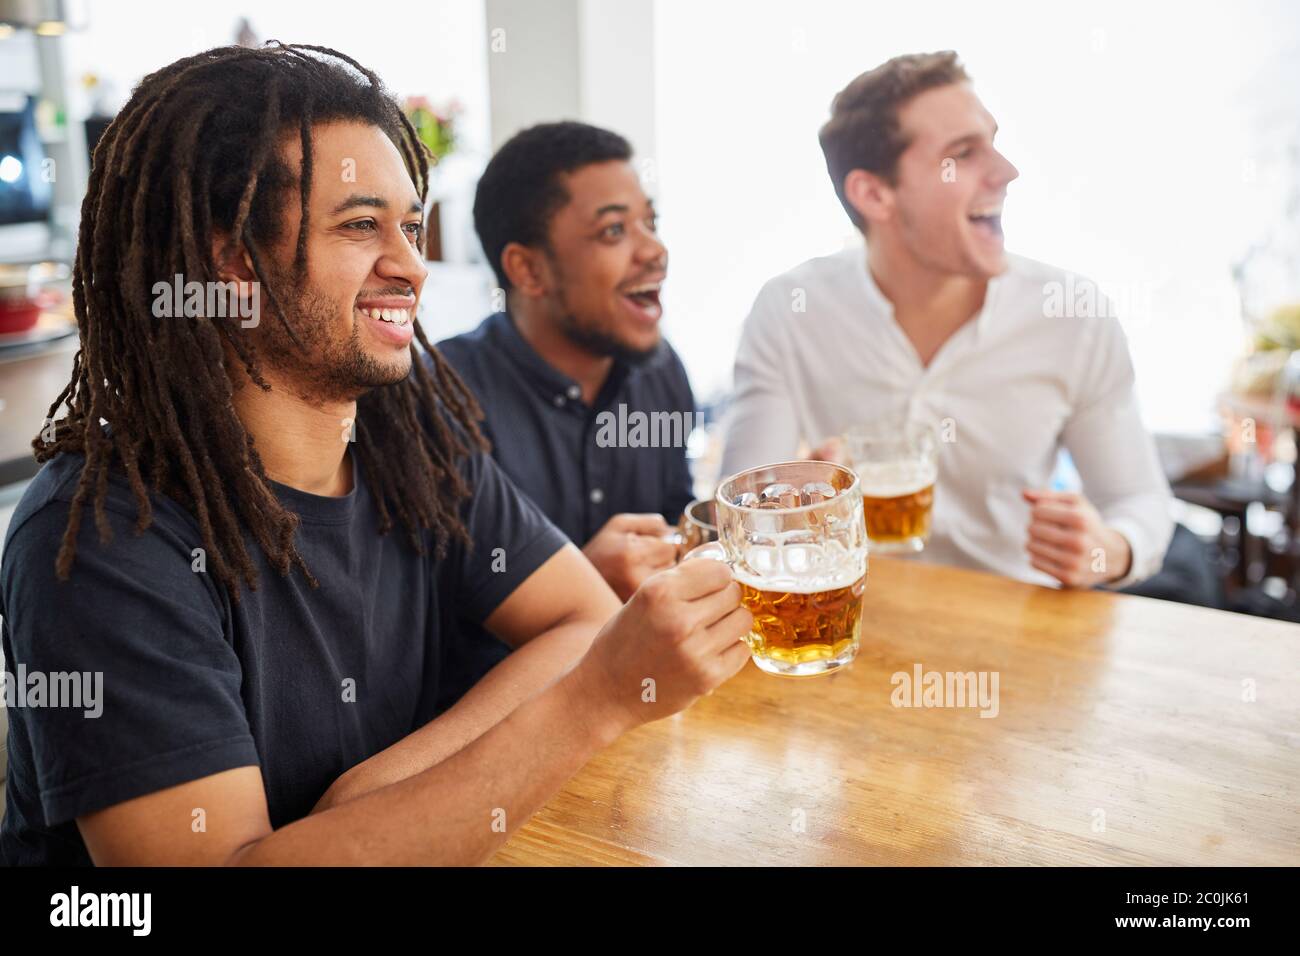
(268, 639)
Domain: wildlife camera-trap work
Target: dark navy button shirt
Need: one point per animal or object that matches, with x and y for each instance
(581, 464)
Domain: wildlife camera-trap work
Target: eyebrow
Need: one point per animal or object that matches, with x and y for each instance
(373, 202)
(969, 137)
(620, 207)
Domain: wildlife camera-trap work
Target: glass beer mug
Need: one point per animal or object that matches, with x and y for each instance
(697, 525)
(794, 536)
(898, 467)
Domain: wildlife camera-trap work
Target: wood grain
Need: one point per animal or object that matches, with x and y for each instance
(1122, 736)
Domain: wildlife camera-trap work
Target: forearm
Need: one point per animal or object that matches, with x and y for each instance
(462, 810)
(524, 673)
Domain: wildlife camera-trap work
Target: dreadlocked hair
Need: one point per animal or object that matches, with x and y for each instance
(193, 155)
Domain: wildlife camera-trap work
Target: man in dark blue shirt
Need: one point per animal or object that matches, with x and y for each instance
(225, 595)
(588, 409)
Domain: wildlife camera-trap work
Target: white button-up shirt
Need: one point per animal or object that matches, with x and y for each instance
(1045, 364)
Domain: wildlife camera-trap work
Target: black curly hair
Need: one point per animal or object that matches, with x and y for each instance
(521, 189)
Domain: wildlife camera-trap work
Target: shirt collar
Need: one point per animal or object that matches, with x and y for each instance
(983, 320)
(550, 384)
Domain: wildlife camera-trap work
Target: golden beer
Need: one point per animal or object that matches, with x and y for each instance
(897, 513)
(795, 539)
(792, 627)
(898, 468)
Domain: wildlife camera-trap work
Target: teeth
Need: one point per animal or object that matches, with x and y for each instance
(392, 316)
(644, 289)
(985, 213)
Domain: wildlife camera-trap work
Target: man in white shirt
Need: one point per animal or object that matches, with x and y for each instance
(933, 321)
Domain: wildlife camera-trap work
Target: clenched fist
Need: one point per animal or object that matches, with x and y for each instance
(680, 636)
(1069, 540)
(630, 548)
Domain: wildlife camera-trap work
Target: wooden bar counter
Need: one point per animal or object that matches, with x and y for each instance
(1127, 731)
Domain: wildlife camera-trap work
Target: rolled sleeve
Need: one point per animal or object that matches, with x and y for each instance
(1147, 554)
(1115, 454)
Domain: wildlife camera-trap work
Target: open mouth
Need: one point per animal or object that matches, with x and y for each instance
(644, 299)
(988, 222)
(391, 316)
(394, 324)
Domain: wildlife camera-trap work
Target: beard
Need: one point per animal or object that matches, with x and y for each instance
(598, 341)
(325, 367)
(588, 336)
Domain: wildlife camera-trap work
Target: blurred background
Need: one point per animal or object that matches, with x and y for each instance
(1158, 145)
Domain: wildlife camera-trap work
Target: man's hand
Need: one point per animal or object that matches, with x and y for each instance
(679, 637)
(1069, 540)
(630, 548)
(832, 450)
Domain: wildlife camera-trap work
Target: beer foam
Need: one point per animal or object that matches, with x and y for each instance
(803, 584)
(896, 479)
(799, 566)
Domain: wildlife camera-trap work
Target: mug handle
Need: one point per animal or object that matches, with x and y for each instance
(712, 549)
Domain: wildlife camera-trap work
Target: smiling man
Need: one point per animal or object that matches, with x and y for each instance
(264, 547)
(572, 238)
(936, 322)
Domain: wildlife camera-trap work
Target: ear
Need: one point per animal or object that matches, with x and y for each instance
(527, 269)
(234, 264)
(869, 195)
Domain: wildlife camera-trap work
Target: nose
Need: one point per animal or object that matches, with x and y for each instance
(402, 261)
(651, 248)
(1007, 171)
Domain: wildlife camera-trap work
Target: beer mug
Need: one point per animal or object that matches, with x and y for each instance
(897, 466)
(698, 525)
(794, 537)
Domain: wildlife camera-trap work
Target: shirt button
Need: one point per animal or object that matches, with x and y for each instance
(597, 496)
(559, 401)
(575, 392)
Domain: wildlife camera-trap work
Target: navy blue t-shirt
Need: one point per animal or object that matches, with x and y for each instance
(303, 683)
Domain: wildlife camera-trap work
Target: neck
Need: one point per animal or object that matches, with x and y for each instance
(919, 292)
(301, 444)
(540, 328)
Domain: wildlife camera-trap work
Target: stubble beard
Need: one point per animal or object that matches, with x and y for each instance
(324, 368)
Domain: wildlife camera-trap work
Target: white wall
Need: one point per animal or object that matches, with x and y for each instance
(534, 63)
(618, 72)
(591, 60)
(1136, 127)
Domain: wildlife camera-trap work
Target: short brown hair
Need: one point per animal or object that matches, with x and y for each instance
(863, 131)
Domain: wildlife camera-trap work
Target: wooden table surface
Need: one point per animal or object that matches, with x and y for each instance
(1128, 731)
